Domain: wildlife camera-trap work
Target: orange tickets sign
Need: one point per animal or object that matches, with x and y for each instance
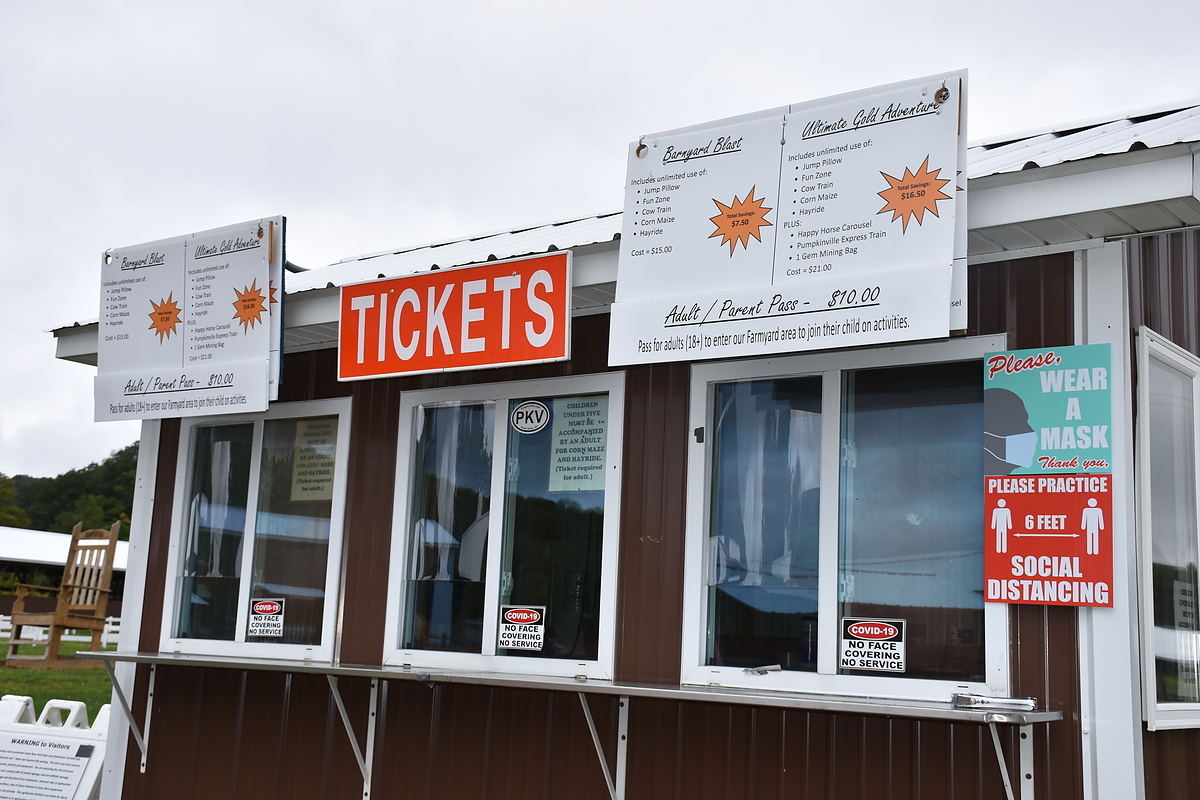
(497, 314)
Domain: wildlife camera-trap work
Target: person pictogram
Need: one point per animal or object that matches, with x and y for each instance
(1093, 523)
(1001, 522)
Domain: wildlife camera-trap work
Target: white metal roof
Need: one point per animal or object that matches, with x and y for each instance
(1154, 128)
(602, 228)
(1108, 138)
(1066, 187)
(45, 547)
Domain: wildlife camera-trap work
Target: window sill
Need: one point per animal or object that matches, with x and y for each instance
(788, 700)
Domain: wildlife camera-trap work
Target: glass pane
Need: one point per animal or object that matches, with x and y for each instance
(291, 534)
(911, 512)
(554, 521)
(451, 504)
(762, 542)
(216, 521)
(1173, 522)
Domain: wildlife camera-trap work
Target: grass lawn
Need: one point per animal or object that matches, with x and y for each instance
(89, 685)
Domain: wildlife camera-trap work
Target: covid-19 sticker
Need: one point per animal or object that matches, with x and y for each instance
(873, 644)
(266, 617)
(522, 627)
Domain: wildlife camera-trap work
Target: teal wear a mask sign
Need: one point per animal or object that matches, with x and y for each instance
(1047, 452)
(1048, 411)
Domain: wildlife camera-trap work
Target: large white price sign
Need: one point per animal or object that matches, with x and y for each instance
(801, 209)
(191, 326)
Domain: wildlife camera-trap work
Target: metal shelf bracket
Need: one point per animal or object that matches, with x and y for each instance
(1024, 761)
(142, 735)
(365, 762)
(616, 784)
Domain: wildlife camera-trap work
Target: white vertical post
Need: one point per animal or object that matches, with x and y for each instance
(1025, 740)
(1110, 677)
(113, 778)
(622, 746)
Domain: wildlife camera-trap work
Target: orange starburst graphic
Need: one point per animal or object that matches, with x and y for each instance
(271, 284)
(913, 195)
(165, 317)
(249, 306)
(739, 221)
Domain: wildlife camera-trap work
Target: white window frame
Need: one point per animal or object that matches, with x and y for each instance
(1158, 716)
(825, 680)
(487, 661)
(322, 652)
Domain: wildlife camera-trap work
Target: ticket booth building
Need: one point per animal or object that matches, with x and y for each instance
(662, 618)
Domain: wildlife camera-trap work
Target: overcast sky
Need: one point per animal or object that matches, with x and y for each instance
(380, 125)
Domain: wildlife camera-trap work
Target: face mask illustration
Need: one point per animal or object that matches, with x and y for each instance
(1008, 441)
(1017, 449)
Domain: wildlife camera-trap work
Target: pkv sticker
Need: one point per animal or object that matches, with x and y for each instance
(522, 627)
(266, 617)
(874, 644)
(530, 416)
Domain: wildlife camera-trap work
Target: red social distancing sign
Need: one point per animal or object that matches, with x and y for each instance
(1048, 539)
(495, 314)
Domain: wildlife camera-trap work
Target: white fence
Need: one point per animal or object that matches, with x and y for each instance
(112, 629)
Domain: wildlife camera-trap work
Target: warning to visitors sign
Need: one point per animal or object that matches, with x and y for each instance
(1048, 476)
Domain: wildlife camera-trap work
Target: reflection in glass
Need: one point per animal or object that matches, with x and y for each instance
(291, 534)
(554, 523)
(451, 501)
(216, 521)
(1173, 522)
(911, 511)
(762, 543)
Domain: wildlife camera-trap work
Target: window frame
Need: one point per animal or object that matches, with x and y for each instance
(501, 393)
(1158, 715)
(323, 652)
(828, 365)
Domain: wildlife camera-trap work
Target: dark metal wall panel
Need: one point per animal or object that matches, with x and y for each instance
(1164, 295)
(650, 599)
(1031, 299)
(1172, 764)
(254, 735)
(368, 523)
(457, 742)
(1045, 642)
(160, 535)
(1164, 286)
(273, 736)
(692, 750)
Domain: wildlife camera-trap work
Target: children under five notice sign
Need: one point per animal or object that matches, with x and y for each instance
(872, 644)
(191, 326)
(832, 224)
(1048, 476)
(579, 436)
(314, 459)
(522, 627)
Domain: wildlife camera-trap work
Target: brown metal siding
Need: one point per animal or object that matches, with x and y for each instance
(260, 735)
(1164, 287)
(1164, 295)
(650, 589)
(1032, 300)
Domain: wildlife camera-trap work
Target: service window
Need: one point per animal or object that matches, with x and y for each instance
(1168, 510)
(256, 546)
(835, 525)
(505, 533)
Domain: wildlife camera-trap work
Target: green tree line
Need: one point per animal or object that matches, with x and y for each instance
(98, 494)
